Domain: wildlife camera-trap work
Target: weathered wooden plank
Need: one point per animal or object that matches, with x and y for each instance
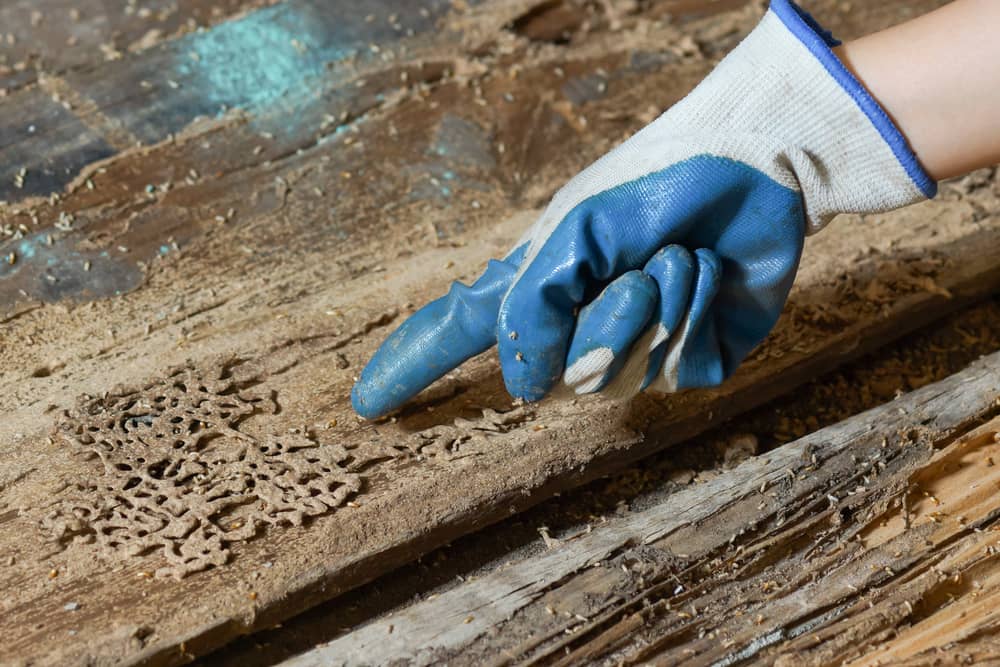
(43, 146)
(274, 57)
(281, 62)
(53, 36)
(449, 485)
(326, 247)
(471, 620)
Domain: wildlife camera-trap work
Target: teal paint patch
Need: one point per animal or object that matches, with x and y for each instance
(261, 59)
(278, 62)
(26, 249)
(459, 155)
(60, 271)
(464, 143)
(284, 58)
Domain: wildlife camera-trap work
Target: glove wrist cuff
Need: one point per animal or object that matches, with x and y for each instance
(820, 43)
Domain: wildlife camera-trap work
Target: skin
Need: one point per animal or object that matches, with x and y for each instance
(938, 77)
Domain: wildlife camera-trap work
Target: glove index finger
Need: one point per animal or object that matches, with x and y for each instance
(436, 339)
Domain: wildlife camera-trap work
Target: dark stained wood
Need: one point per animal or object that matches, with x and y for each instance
(43, 145)
(50, 37)
(283, 62)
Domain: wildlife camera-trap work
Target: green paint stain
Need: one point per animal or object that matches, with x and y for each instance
(262, 59)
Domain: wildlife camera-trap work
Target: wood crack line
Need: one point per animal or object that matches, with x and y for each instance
(418, 630)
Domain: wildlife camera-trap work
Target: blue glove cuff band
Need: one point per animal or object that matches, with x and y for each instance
(820, 42)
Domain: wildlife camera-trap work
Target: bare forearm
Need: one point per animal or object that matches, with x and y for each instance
(938, 77)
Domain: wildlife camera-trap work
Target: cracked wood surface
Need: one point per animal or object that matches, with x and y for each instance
(871, 539)
(274, 243)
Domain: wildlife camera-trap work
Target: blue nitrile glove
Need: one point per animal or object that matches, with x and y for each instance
(665, 262)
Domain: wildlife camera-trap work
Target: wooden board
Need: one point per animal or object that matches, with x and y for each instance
(281, 62)
(872, 539)
(51, 37)
(268, 259)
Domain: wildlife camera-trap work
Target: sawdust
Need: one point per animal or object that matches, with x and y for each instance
(174, 475)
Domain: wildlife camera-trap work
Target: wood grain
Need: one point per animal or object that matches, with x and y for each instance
(51, 37)
(285, 267)
(535, 609)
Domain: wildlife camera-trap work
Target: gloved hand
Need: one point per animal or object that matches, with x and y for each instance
(668, 260)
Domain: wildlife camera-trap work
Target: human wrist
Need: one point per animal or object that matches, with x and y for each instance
(938, 77)
(785, 104)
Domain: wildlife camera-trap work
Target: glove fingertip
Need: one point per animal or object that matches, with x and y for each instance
(365, 401)
(606, 330)
(434, 340)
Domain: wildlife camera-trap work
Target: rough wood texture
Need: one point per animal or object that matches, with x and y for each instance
(266, 251)
(776, 559)
(53, 36)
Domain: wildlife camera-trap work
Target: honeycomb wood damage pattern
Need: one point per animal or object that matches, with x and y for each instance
(174, 475)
